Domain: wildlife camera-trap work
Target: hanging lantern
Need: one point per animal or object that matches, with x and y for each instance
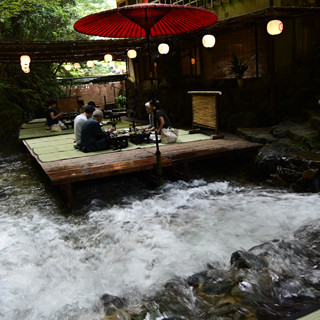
(25, 69)
(208, 41)
(90, 64)
(163, 48)
(25, 60)
(193, 61)
(132, 54)
(108, 58)
(77, 65)
(274, 27)
(67, 67)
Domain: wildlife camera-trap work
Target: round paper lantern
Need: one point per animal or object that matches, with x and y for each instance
(25, 69)
(108, 58)
(67, 67)
(274, 27)
(25, 60)
(208, 41)
(163, 48)
(76, 65)
(90, 64)
(193, 60)
(132, 54)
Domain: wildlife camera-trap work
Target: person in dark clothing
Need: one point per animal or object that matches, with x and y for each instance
(93, 138)
(52, 116)
(162, 120)
(80, 104)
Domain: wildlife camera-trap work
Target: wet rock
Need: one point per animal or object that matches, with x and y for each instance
(198, 278)
(315, 123)
(277, 180)
(216, 286)
(290, 166)
(309, 174)
(288, 175)
(111, 303)
(281, 129)
(302, 133)
(243, 259)
(269, 157)
(294, 162)
(270, 281)
(257, 135)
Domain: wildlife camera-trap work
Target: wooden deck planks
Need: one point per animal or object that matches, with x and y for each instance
(97, 166)
(65, 172)
(197, 150)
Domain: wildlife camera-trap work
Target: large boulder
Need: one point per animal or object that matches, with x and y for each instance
(290, 166)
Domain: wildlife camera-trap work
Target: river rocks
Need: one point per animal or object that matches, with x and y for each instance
(111, 303)
(270, 281)
(243, 259)
(291, 155)
(278, 279)
(290, 166)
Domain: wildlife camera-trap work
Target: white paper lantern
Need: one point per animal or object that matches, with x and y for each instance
(108, 58)
(274, 27)
(67, 67)
(132, 54)
(77, 65)
(25, 60)
(163, 48)
(25, 69)
(90, 64)
(208, 41)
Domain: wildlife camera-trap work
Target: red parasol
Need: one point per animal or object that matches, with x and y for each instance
(146, 20)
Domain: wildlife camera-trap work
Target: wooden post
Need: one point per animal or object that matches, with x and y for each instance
(66, 192)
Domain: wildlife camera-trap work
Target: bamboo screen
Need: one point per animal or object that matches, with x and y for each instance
(243, 43)
(204, 109)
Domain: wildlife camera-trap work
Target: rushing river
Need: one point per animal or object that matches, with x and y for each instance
(124, 239)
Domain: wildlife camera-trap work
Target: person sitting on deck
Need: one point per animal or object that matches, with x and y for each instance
(92, 103)
(93, 138)
(52, 116)
(162, 120)
(79, 121)
(149, 110)
(80, 104)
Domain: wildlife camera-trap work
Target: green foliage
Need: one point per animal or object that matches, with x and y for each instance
(121, 101)
(24, 96)
(84, 71)
(13, 8)
(238, 67)
(85, 7)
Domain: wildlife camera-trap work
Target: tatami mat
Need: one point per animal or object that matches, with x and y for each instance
(60, 147)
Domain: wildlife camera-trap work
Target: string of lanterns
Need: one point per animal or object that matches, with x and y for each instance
(274, 27)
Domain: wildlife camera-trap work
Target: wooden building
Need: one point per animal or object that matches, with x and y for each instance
(240, 30)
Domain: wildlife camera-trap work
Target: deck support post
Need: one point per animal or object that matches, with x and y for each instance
(181, 171)
(66, 191)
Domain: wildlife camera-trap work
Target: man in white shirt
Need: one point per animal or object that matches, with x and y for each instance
(79, 121)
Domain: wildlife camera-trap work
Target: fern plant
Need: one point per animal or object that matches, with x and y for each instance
(238, 67)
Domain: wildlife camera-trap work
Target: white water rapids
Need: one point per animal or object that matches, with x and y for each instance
(57, 266)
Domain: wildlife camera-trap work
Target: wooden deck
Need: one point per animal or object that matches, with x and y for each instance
(65, 172)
